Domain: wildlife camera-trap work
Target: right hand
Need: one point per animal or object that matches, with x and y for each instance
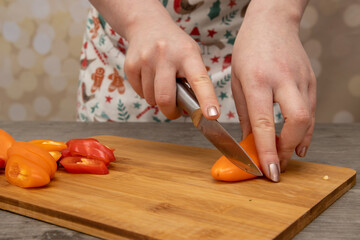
(159, 51)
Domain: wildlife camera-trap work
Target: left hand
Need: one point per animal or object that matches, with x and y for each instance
(270, 65)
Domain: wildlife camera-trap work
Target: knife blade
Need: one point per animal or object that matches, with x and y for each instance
(213, 130)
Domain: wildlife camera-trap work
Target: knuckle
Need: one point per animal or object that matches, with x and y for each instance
(286, 151)
(161, 46)
(285, 68)
(263, 124)
(270, 154)
(190, 46)
(130, 66)
(302, 116)
(201, 80)
(163, 100)
(260, 78)
(145, 58)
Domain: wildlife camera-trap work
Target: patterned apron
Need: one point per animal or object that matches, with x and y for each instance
(104, 94)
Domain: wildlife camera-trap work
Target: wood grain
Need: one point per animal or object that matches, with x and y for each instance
(165, 191)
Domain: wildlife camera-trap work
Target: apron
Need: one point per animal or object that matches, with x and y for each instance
(104, 94)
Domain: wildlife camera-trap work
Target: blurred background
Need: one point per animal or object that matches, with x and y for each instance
(40, 42)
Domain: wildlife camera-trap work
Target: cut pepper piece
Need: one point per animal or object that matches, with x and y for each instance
(6, 141)
(49, 145)
(2, 163)
(224, 170)
(84, 165)
(91, 148)
(65, 153)
(35, 154)
(56, 155)
(24, 173)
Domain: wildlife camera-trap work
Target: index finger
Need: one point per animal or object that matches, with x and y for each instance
(200, 82)
(260, 107)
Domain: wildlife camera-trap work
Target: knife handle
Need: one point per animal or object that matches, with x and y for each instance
(186, 99)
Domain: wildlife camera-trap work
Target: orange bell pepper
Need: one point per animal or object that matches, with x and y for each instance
(6, 141)
(24, 173)
(53, 147)
(56, 155)
(35, 154)
(49, 145)
(224, 170)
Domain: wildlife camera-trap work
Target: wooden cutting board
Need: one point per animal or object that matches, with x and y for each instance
(165, 191)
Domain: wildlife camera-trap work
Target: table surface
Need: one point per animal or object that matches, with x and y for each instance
(333, 144)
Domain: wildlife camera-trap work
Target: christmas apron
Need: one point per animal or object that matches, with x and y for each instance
(104, 94)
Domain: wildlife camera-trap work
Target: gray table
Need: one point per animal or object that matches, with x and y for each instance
(332, 144)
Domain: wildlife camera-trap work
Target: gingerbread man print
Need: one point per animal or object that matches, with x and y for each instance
(117, 82)
(94, 30)
(97, 77)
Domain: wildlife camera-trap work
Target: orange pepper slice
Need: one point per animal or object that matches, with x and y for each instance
(6, 141)
(224, 170)
(24, 173)
(49, 145)
(35, 154)
(56, 155)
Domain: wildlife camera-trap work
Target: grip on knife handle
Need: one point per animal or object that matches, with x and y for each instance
(187, 100)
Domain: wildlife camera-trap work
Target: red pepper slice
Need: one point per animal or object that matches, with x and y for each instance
(84, 165)
(65, 153)
(91, 148)
(2, 163)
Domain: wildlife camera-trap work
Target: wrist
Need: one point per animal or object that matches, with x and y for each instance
(156, 19)
(152, 14)
(282, 12)
(126, 17)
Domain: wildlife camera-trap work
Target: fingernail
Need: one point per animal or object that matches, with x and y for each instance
(212, 111)
(302, 152)
(274, 171)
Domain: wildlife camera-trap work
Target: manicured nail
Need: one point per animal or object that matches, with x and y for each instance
(212, 111)
(302, 152)
(274, 171)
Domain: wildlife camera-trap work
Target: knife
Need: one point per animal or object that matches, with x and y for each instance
(212, 129)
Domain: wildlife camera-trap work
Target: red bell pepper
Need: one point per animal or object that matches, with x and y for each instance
(65, 153)
(2, 163)
(90, 148)
(84, 165)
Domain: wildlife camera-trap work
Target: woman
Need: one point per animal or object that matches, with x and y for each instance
(241, 63)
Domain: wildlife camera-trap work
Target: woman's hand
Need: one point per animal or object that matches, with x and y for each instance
(270, 65)
(159, 51)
